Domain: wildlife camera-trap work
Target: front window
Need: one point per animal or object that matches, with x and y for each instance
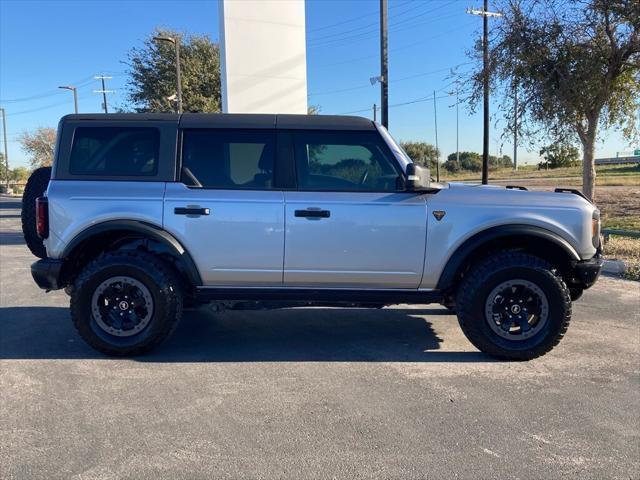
(338, 161)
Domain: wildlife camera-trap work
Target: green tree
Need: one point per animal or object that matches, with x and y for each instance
(151, 86)
(558, 155)
(422, 153)
(500, 162)
(576, 67)
(39, 145)
(469, 161)
(4, 168)
(19, 174)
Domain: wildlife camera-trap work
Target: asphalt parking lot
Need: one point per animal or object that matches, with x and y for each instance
(313, 393)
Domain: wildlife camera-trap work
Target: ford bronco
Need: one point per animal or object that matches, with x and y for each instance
(143, 215)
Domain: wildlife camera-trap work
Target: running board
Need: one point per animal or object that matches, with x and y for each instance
(319, 296)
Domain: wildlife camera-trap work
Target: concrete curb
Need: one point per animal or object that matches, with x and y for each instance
(615, 267)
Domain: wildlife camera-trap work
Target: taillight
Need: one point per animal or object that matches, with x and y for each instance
(42, 217)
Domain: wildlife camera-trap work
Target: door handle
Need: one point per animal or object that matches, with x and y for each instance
(191, 211)
(313, 213)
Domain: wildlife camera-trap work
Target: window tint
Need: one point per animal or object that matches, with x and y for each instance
(115, 151)
(228, 158)
(340, 161)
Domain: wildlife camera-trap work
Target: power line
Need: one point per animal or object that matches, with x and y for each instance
(402, 47)
(33, 110)
(410, 102)
(104, 91)
(350, 31)
(348, 39)
(355, 19)
(82, 89)
(48, 93)
(408, 77)
(53, 92)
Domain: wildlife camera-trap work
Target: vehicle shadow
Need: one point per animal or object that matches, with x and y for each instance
(288, 335)
(11, 238)
(11, 205)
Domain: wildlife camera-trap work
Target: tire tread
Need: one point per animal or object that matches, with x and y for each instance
(478, 276)
(163, 275)
(35, 187)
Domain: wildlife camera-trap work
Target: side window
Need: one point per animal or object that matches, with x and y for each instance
(228, 159)
(115, 151)
(341, 161)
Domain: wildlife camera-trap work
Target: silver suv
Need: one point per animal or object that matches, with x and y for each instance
(143, 215)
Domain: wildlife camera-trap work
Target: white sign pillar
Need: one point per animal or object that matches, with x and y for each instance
(263, 56)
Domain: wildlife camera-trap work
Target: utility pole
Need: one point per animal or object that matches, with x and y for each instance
(515, 127)
(435, 119)
(384, 67)
(485, 94)
(457, 129)
(485, 14)
(75, 95)
(104, 91)
(6, 154)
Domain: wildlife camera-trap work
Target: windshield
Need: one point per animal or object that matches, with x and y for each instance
(397, 150)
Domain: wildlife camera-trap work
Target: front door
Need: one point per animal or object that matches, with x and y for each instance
(225, 210)
(347, 225)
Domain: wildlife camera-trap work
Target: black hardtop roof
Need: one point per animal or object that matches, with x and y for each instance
(235, 120)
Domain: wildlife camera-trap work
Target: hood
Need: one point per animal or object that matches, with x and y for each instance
(500, 194)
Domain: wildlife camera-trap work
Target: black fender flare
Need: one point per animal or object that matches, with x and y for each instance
(459, 256)
(146, 229)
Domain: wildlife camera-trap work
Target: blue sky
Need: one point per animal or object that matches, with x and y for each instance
(44, 44)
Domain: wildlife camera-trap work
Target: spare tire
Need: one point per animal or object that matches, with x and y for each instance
(36, 186)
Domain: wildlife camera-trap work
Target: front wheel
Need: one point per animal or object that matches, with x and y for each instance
(126, 303)
(513, 306)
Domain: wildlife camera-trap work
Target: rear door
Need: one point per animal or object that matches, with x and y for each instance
(225, 209)
(348, 225)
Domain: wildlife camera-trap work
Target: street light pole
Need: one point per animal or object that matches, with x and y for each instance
(176, 43)
(75, 95)
(178, 79)
(6, 154)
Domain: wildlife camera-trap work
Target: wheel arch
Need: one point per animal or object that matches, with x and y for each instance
(537, 240)
(115, 234)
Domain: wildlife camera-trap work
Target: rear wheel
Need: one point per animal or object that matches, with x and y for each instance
(513, 306)
(126, 303)
(36, 186)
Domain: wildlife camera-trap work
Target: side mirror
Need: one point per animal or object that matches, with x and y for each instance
(418, 178)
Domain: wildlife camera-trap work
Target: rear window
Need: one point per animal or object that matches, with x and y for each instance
(228, 159)
(115, 151)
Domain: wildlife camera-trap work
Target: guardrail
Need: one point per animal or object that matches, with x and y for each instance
(617, 160)
(607, 232)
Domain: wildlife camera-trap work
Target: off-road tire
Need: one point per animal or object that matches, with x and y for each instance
(449, 303)
(36, 186)
(157, 276)
(484, 277)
